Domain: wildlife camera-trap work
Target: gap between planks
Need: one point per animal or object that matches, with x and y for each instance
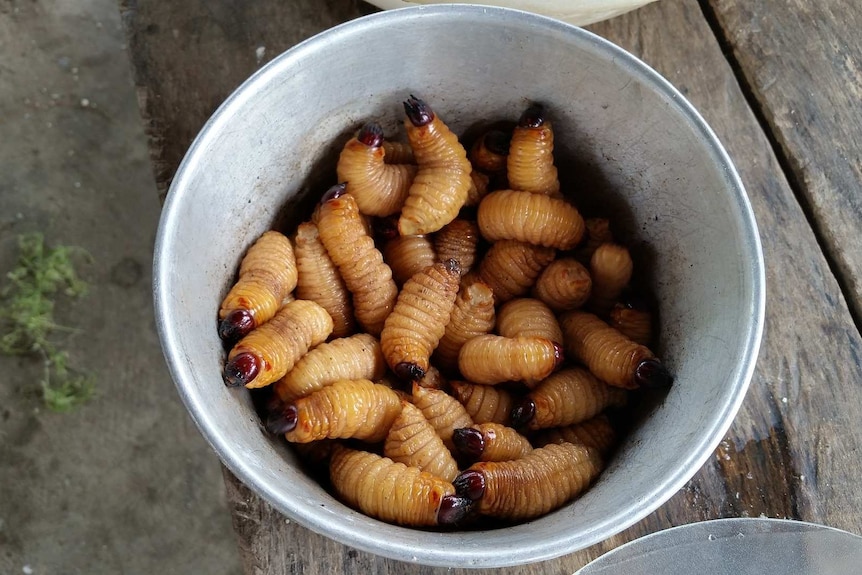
(784, 161)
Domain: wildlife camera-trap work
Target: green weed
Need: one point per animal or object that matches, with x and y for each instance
(27, 317)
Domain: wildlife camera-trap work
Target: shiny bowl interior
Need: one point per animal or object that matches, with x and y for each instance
(628, 145)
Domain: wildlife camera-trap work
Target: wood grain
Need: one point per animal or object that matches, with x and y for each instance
(793, 451)
(802, 63)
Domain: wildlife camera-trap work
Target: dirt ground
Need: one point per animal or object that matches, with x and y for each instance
(125, 483)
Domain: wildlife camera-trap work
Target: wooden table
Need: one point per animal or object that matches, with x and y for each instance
(780, 81)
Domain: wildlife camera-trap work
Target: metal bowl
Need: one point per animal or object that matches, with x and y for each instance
(627, 144)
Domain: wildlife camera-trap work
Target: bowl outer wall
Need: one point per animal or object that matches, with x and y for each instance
(632, 138)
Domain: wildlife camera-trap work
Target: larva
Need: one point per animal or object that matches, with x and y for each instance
(355, 357)
(484, 403)
(414, 442)
(611, 270)
(490, 151)
(267, 275)
(611, 356)
(473, 314)
(358, 409)
(490, 442)
(458, 240)
(270, 351)
(440, 186)
(407, 255)
(569, 396)
(633, 321)
(379, 187)
(565, 284)
(532, 218)
(394, 492)
(319, 280)
(530, 164)
(537, 483)
(597, 433)
(419, 319)
(510, 268)
(493, 359)
(443, 412)
(528, 317)
(361, 264)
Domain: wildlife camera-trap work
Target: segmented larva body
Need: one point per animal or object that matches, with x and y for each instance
(440, 186)
(360, 264)
(414, 442)
(478, 189)
(355, 357)
(390, 491)
(528, 317)
(565, 284)
(472, 315)
(407, 255)
(539, 482)
(266, 354)
(611, 269)
(491, 442)
(458, 241)
(611, 356)
(267, 275)
(319, 280)
(597, 433)
(417, 323)
(493, 359)
(379, 187)
(442, 411)
(569, 396)
(484, 403)
(530, 164)
(510, 268)
(634, 323)
(397, 152)
(598, 233)
(490, 151)
(532, 218)
(358, 409)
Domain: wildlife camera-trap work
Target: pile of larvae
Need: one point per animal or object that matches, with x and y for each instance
(446, 333)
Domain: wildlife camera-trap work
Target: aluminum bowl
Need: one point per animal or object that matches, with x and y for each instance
(626, 140)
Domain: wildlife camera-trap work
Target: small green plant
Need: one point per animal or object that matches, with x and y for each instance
(27, 317)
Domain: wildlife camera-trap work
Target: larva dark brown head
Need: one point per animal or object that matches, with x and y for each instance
(241, 370)
(559, 356)
(533, 117)
(470, 484)
(453, 509)
(497, 142)
(283, 420)
(469, 442)
(418, 112)
(523, 412)
(408, 371)
(334, 192)
(235, 325)
(650, 373)
(371, 135)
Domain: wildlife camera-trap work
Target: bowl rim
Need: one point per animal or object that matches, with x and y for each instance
(442, 551)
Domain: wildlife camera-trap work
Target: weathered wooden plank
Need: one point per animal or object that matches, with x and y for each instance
(802, 62)
(788, 459)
